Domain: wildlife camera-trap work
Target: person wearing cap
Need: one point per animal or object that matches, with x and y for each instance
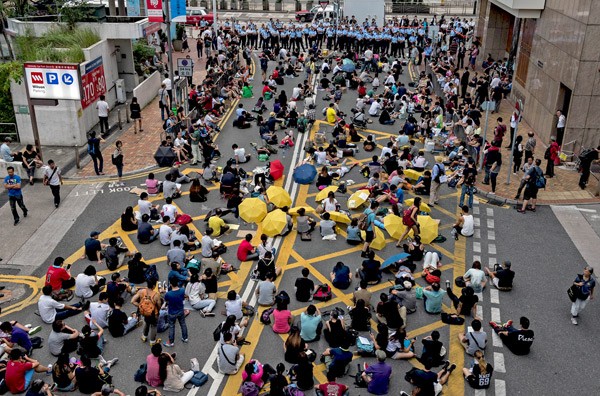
(502, 277)
(377, 376)
(406, 298)
(585, 284)
(93, 248)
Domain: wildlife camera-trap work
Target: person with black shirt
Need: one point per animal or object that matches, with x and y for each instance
(115, 255)
(586, 164)
(360, 316)
(303, 371)
(502, 277)
(137, 269)
(467, 181)
(519, 341)
(466, 304)
(370, 270)
(479, 376)
(388, 312)
(432, 347)
(304, 287)
(278, 381)
(118, 322)
(87, 377)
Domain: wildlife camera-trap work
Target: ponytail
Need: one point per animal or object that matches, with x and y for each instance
(481, 361)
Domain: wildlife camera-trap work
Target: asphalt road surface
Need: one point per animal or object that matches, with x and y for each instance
(544, 257)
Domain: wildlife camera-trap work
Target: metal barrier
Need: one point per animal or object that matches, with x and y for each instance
(13, 135)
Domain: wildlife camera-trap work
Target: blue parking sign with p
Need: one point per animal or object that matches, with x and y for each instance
(52, 78)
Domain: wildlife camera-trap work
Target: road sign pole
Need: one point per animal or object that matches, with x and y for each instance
(481, 149)
(33, 118)
(170, 41)
(514, 138)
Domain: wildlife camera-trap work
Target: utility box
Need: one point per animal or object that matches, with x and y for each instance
(120, 90)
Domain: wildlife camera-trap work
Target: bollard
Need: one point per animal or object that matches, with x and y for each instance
(127, 113)
(77, 164)
(119, 119)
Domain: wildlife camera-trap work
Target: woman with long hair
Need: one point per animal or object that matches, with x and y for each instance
(479, 376)
(411, 222)
(128, 220)
(399, 347)
(197, 191)
(63, 374)
(360, 316)
(334, 330)
(293, 345)
(173, 377)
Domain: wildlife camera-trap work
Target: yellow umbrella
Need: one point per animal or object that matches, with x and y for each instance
(357, 199)
(379, 241)
(274, 222)
(339, 217)
(393, 225)
(253, 210)
(278, 196)
(412, 174)
(423, 207)
(429, 228)
(294, 211)
(323, 193)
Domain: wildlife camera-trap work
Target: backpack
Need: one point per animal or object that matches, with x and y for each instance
(193, 265)
(547, 153)
(262, 157)
(540, 180)
(183, 219)
(265, 317)
(147, 306)
(249, 388)
(151, 273)
(323, 293)
(140, 374)
(282, 297)
(162, 324)
(292, 390)
(164, 125)
(452, 319)
(365, 349)
(363, 222)
(406, 216)
(91, 150)
(199, 379)
(217, 332)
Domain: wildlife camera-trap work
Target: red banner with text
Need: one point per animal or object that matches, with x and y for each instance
(155, 11)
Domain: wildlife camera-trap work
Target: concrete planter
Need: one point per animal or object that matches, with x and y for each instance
(177, 45)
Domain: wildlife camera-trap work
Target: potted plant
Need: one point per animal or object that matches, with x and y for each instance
(178, 40)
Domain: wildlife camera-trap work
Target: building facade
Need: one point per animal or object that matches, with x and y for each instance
(555, 47)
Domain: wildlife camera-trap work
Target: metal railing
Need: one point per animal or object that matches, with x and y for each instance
(5, 126)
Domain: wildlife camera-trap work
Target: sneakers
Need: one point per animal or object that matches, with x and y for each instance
(34, 330)
(363, 254)
(494, 325)
(169, 344)
(446, 364)
(157, 341)
(164, 286)
(508, 324)
(447, 284)
(574, 320)
(185, 340)
(144, 338)
(451, 368)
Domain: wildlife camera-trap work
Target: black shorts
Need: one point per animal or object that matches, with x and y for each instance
(530, 193)
(369, 236)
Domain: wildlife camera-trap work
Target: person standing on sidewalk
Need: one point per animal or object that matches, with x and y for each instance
(529, 146)
(560, 125)
(585, 285)
(493, 163)
(53, 178)
(551, 155)
(195, 140)
(528, 165)
(117, 160)
(103, 110)
(531, 190)
(12, 183)
(163, 101)
(169, 87)
(136, 115)
(586, 165)
(94, 151)
(438, 173)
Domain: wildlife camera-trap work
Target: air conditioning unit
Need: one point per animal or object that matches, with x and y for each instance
(120, 88)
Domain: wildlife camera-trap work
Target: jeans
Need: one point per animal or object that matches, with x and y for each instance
(55, 193)
(206, 305)
(172, 318)
(119, 170)
(163, 109)
(131, 324)
(98, 162)
(150, 323)
(521, 186)
(466, 190)
(62, 314)
(486, 179)
(103, 125)
(13, 206)
(493, 176)
(578, 306)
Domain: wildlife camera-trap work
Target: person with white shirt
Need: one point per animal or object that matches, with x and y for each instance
(475, 277)
(239, 154)
(208, 244)
(375, 107)
(99, 312)
(103, 109)
(297, 92)
(87, 283)
(389, 80)
(495, 82)
(464, 224)
(146, 207)
(169, 88)
(170, 210)
(51, 310)
(165, 231)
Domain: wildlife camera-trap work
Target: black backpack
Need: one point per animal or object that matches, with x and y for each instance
(547, 153)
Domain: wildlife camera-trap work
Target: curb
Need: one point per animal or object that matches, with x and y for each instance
(133, 172)
(509, 201)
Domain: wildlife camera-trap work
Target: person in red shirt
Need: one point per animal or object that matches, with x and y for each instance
(331, 388)
(247, 252)
(19, 371)
(58, 277)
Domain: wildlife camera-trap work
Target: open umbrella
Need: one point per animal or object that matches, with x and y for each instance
(276, 169)
(278, 196)
(274, 222)
(412, 174)
(164, 156)
(253, 210)
(294, 211)
(429, 228)
(393, 225)
(379, 241)
(391, 260)
(357, 199)
(305, 174)
(323, 193)
(339, 217)
(423, 207)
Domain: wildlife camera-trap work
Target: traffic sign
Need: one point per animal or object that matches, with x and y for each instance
(324, 3)
(52, 80)
(185, 67)
(488, 105)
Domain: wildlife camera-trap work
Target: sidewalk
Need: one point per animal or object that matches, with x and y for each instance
(138, 149)
(561, 189)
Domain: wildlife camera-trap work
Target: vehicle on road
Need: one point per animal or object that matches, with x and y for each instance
(316, 13)
(194, 15)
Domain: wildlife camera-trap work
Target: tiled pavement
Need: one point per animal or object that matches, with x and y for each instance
(138, 149)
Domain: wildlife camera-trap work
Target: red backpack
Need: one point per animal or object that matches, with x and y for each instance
(183, 219)
(323, 293)
(406, 217)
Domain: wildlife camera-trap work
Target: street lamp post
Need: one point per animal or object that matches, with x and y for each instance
(519, 110)
(487, 106)
(169, 39)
